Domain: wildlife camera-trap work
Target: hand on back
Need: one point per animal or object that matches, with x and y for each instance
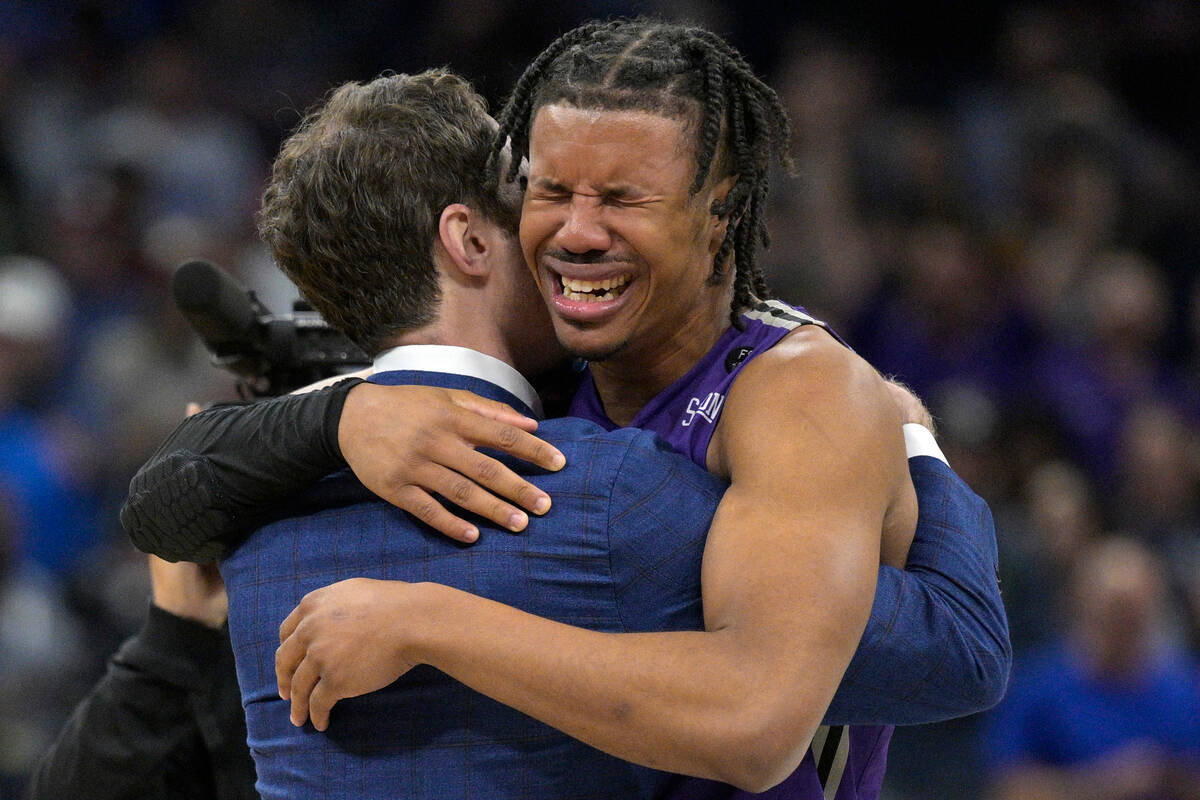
(411, 444)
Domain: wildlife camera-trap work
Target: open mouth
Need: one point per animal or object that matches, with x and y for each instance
(593, 291)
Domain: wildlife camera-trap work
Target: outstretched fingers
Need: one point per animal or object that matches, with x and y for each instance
(419, 446)
(500, 427)
(422, 505)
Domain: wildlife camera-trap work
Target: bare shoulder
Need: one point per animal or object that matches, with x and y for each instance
(812, 387)
(812, 415)
(810, 358)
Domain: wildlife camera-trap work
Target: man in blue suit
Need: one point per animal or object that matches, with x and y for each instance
(597, 560)
(477, 298)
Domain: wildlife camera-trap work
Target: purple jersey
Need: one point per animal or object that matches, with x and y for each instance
(843, 763)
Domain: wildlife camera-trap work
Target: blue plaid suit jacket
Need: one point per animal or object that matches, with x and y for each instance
(619, 551)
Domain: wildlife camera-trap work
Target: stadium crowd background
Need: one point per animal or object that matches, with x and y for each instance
(995, 202)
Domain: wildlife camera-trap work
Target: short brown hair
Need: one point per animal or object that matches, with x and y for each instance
(352, 208)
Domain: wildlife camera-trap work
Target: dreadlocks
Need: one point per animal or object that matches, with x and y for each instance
(680, 72)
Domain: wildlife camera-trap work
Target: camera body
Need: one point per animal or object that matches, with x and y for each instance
(271, 354)
(288, 351)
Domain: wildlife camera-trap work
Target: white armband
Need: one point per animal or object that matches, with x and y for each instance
(919, 441)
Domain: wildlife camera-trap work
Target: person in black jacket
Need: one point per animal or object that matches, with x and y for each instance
(166, 721)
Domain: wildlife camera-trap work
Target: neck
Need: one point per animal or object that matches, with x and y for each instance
(629, 380)
(452, 328)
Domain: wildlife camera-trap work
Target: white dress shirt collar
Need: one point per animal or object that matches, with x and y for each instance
(459, 361)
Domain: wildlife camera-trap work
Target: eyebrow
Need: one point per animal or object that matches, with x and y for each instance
(623, 192)
(549, 184)
(617, 192)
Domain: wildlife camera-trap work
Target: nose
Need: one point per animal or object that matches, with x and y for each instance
(584, 229)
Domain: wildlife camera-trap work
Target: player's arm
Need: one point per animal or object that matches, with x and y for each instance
(222, 469)
(787, 583)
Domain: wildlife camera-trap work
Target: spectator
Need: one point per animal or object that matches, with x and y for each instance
(41, 660)
(1058, 520)
(1110, 711)
(42, 455)
(1091, 385)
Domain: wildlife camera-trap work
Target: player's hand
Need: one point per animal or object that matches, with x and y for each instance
(910, 406)
(407, 443)
(343, 640)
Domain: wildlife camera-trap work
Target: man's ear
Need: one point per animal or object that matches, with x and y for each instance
(720, 222)
(464, 239)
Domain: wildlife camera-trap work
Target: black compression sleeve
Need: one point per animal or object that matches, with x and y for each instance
(222, 468)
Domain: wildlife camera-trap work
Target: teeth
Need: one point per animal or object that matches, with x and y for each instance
(576, 285)
(585, 291)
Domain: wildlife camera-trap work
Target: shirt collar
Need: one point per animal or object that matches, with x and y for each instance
(459, 361)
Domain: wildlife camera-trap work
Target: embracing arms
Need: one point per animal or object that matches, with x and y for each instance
(214, 478)
(935, 647)
(787, 581)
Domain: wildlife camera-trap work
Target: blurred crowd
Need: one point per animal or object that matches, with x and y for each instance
(997, 205)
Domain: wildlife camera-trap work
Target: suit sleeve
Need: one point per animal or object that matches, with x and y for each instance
(660, 509)
(149, 722)
(936, 645)
(218, 473)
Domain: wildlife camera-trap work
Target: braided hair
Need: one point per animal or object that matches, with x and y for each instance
(681, 72)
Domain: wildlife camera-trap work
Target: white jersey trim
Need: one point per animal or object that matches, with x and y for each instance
(780, 315)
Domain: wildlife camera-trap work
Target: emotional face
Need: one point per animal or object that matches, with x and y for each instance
(620, 249)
